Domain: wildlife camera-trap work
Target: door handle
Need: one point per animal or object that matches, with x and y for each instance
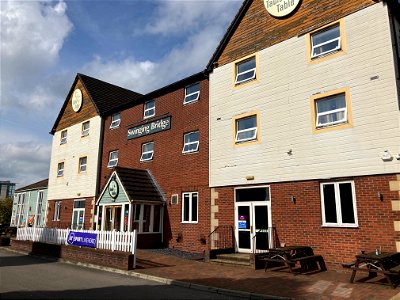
(251, 229)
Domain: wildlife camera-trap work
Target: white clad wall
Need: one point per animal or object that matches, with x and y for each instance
(282, 94)
(74, 184)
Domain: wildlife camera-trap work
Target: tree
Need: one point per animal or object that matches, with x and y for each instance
(5, 211)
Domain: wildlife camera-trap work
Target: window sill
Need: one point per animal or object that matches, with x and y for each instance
(355, 226)
(190, 222)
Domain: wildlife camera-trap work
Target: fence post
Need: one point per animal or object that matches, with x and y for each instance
(113, 240)
(133, 245)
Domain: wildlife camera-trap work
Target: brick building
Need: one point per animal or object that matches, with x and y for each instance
(76, 151)
(304, 127)
(154, 170)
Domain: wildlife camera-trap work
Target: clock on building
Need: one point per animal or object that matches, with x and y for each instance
(113, 189)
(77, 100)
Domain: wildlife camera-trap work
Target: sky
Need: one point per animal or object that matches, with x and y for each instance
(136, 44)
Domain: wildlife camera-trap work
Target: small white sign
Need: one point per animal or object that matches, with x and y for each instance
(280, 8)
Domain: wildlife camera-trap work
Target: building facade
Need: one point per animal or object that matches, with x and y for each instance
(165, 134)
(76, 151)
(305, 127)
(29, 205)
(7, 189)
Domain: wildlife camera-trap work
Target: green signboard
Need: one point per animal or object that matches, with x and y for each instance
(149, 128)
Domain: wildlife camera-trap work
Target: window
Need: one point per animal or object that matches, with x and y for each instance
(115, 120)
(325, 41)
(331, 110)
(147, 218)
(85, 128)
(57, 211)
(149, 109)
(191, 142)
(60, 169)
(78, 215)
(192, 93)
(246, 129)
(189, 207)
(338, 204)
(147, 151)
(20, 210)
(82, 164)
(245, 70)
(113, 160)
(39, 208)
(63, 139)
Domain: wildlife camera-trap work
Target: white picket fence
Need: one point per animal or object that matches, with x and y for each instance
(108, 240)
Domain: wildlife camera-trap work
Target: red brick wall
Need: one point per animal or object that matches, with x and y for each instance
(301, 223)
(116, 259)
(174, 172)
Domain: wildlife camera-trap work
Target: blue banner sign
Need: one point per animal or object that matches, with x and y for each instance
(82, 239)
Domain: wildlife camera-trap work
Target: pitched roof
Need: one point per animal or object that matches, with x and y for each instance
(34, 186)
(228, 34)
(139, 185)
(105, 96)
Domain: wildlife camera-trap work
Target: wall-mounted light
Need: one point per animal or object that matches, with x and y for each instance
(386, 156)
(250, 177)
(380, 196)
(293, 199)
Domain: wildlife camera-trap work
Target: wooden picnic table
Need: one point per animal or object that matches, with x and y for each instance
(290, 255)
(386, 263)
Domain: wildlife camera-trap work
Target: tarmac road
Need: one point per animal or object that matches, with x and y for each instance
(26, 277)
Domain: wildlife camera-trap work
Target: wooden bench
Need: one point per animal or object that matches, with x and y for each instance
(309, 262)
(275, 260)
(395, 270)
(348, 265)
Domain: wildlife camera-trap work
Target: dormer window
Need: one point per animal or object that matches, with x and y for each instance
(115, 120)
(149, 109)
(192, 93)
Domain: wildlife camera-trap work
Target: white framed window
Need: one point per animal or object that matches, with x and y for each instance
(85, 128)
(148, 218)
(149, 109)
(63, 139)
(60, 169)
(190, 205)
(20, 210)
(246, 129)
(78, 214)
(331, 110)
(82, 164)
(325, 41)
(192, 93)
(147, 151)
(39, 208)
(113, 160)
(115, 120)
(191, 142)
(245, 70)
(57, 211)
(338, 203)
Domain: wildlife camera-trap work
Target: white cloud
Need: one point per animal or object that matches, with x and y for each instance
(32, 36)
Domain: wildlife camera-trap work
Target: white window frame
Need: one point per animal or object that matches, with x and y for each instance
(194, 96)
(319, 124)
(85, 128)
(191, 143)
(63, 137)
(149, 112)
(112, 161)
(339, 222)
(20, 210)
(82, 166)
(39, 207)
(238, 132)
(115, 120)
(147, 152)
(60, 169)
(139, 208)
(57, 211)
(190, 220)
(314, 47)
(253, 70)
(78, 210)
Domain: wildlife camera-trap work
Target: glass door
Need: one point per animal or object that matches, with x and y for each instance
(244, 227)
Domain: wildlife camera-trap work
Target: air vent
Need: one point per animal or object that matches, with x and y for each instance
(174, 199)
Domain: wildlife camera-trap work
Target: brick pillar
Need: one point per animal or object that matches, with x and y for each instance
(395, 187)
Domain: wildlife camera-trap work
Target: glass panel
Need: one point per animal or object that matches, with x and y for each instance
(246, 65)
(261, 217)
(79, 204)
(330, 203)
(107, 224)
(346, 203)
(326, 41)
(117, 218)
(146, 218)
(255, 194)
(186, 207)
(262, 242)
(75, 220)
(194, 208)
(244, 239)
(157, 219)
(246, 123)
(244, 217)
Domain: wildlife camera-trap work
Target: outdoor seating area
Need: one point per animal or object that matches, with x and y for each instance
(374, 263)
(289, 256)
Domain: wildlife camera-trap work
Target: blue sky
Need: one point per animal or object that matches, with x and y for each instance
(139, 45)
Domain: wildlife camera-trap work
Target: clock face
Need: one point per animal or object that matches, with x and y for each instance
(77, 100)
(113, 189)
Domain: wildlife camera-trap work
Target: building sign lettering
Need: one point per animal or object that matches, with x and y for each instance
(149, 128)
(280, 8)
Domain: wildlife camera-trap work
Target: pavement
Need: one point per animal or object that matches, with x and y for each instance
(248, 283)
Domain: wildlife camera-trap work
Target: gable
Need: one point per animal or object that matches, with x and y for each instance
(69, 117)
(258, 30)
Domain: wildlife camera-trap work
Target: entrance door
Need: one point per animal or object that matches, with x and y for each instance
(253, 226)
(112, 218)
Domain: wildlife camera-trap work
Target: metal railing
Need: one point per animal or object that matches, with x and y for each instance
(221, 238)
(264, 239)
